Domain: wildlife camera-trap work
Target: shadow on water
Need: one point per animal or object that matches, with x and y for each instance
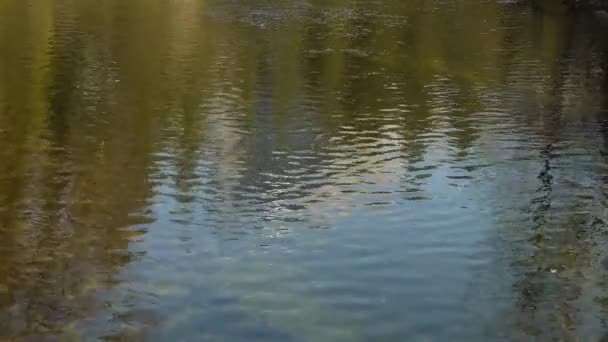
(557, 244)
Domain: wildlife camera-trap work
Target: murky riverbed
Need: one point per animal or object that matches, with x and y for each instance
(344, 170)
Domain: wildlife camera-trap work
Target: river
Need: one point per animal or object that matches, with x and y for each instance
(340, 170)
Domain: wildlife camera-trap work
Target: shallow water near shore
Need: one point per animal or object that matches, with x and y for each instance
(344, 170)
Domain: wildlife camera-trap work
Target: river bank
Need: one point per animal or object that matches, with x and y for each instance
(599, 7)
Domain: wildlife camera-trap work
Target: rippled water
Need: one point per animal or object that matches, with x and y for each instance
(344, 170)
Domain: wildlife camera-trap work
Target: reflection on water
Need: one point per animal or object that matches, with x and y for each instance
(291, 170)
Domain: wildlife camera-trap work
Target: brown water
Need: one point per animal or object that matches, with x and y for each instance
(292, 170)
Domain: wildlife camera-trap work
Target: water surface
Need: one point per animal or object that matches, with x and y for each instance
(344, 170)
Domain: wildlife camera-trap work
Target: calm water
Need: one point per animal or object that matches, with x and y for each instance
(292, 170)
